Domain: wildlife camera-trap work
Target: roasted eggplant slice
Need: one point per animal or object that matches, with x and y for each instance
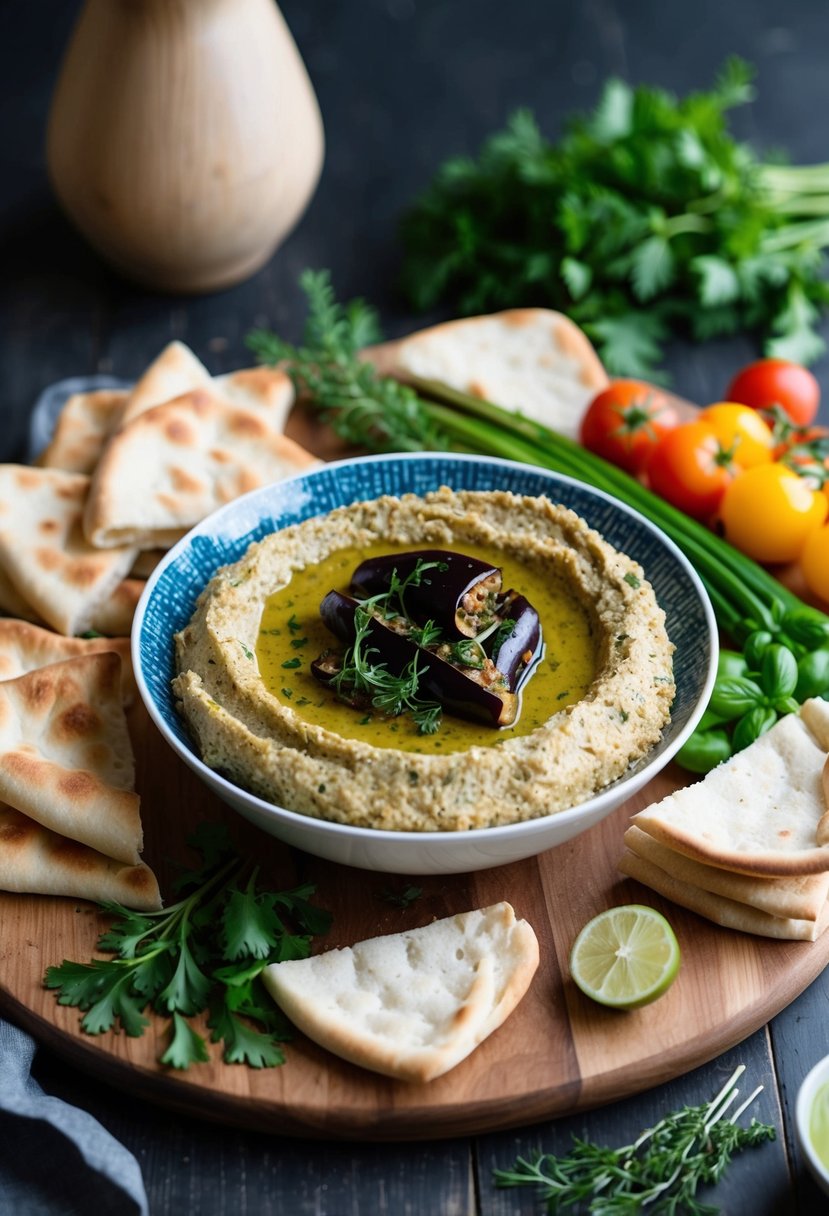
(458, 593)
(439, 680)
(513, 653)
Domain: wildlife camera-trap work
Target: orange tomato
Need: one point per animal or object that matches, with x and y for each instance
(768, 512)
(691, 469)
(742, 431)
(814, 562)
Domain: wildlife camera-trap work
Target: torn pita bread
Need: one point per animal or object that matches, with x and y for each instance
(26, 647)
(179, 461)
(722, 911)
(37, 861)
(65, 755)
(412, 1005)
(44, 554)
(531, 360)
(82, 429)
(175, 371)
(762, 812)
(114, 617)
(146, 562)
(802, 897)
(259, 388)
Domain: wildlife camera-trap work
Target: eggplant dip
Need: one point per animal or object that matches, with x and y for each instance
(454, 661)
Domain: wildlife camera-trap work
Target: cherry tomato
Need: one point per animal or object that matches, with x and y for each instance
(768, 512)
(814, 562)
(770, 382)
(742, 430)
(624, 422)
(691, 469)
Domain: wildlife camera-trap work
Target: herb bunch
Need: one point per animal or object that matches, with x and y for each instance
(645, 216)
(661, 1170)
(207, 952)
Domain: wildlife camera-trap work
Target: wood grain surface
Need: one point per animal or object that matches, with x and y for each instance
(557, 1053)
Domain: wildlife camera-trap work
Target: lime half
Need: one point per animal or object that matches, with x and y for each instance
(625, 957)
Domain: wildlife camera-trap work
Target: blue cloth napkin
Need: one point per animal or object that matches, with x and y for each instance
(56, 1160)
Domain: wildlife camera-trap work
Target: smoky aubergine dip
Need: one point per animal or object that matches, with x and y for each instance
(453, 661)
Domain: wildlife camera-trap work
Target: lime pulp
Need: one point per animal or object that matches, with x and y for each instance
(625, 957)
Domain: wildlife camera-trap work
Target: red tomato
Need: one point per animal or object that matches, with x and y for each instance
(770, 382)
(691, 469)
(624, 422)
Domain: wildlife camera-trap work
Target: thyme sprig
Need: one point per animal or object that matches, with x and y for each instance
(661, 1170)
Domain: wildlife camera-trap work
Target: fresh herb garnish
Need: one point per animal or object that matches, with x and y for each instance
(402, 899)
(660, 1172)
(205, 952)
(646, 215)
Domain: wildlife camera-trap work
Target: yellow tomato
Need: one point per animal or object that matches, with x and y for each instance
(814, 562)
(768, 512)
(742, 430)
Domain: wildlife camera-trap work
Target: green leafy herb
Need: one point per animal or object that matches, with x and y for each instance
(404, 898)
(645, 215)
(660, 1172)
(205, 952)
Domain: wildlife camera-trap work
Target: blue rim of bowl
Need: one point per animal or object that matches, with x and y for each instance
(610, 793)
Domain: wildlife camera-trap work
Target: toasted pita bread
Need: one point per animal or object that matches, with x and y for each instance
(412, 1005)
(114, 617)
(146, 562)
(82, 429)
(179, 461)
(26, 647)
(531, 360)
(722, 911)
(763, 812)
(259, 388)
(802, 897)
(65, 754)
(43, 551)
(34, 860)
(175, 371)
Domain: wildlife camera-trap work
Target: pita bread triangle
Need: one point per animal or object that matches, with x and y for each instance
(65, 754)
(175, 371)
(44, 553)
(177, 462)
(412, 1005)
(764, 811)
(26, 647)
(259, 388)
(529, 359)
(37, 861)
(82, 428)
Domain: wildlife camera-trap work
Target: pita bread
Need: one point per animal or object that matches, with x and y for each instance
(82, 429)
(412, 1005)
(178, 462)
(259, 388)
(65, 754)
(531, 360)
(43, 551)
(801, 897)
(175, 371)
(114, 617)
(722, 911)
(37, 861)
(763, 812)
(146, 562)
(26, 647)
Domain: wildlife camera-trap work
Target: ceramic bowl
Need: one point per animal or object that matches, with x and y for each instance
(169, 600)
(813, 1081)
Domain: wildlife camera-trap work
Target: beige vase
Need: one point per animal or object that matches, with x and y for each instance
(184, 137)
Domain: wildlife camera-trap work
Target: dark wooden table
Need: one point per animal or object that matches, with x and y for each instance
(402, 84)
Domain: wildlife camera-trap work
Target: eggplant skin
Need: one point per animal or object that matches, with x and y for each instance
(514, 654)
(439, 680)
(457, 593)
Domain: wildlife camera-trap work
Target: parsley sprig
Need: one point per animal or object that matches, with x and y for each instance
(207, 951)
(661, 1170)
(646, 215)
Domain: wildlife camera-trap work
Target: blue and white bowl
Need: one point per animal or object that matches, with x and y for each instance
(170, 596)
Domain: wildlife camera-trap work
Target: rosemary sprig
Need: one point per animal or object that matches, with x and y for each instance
(661, 1170)
(365, 409)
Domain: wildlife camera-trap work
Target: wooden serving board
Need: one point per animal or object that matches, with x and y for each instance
(557, 1053)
